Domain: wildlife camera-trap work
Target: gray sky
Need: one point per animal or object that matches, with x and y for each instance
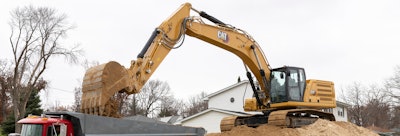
(339, 40)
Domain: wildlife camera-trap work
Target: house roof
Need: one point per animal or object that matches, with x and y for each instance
(225, 89)
(236, 113)
(342, 103)
(169, 119)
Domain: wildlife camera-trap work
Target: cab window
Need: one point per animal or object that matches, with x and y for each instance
(31, 130)
(296, 84)
(278, 87)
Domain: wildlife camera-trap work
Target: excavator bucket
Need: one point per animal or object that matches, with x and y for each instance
(100, 84)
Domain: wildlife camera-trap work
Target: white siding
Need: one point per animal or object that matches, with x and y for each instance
(343, 116)
(210, 121)
(222, 101)
(335, 111)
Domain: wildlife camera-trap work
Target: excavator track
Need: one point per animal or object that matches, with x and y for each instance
(297, 117)
(282, 118)
(228, 123)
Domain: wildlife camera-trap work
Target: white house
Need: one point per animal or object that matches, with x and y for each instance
(223, 103)
(229, 101)
(209, 119)
(340, 111)
(231, 98)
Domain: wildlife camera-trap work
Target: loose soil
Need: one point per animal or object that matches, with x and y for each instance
(319, 128)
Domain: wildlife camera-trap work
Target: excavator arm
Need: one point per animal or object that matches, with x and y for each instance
(102, 82)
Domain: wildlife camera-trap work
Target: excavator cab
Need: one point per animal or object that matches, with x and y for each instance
(287, 84)
(293, 101)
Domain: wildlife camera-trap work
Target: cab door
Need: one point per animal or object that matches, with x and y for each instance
(296, 83)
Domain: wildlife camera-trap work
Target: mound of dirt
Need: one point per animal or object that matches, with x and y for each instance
(319, 128)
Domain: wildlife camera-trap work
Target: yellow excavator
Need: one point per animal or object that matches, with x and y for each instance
(283, 95)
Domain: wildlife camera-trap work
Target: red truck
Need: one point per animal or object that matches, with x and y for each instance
(79, 124)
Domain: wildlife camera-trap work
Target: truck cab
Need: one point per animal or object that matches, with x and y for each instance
(46, 125)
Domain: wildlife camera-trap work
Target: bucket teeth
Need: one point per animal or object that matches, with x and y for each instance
(99, 85)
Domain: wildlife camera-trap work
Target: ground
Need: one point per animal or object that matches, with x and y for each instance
(319, 128)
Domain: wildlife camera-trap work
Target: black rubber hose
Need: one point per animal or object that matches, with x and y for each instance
(211, 18)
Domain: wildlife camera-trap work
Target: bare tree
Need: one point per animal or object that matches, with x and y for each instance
(86, 64)
(133, 107)
(369, 105)
(5, 79)
(35, 38)
(377, 108)
(393, 85)
(395, 118)
(78, 97)
(195, 105)
(148, 101)
(354, 95)
(170, 107)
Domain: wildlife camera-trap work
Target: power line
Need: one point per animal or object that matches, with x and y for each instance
(67, 91)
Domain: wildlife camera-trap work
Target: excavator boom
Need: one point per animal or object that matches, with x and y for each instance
(102, 82)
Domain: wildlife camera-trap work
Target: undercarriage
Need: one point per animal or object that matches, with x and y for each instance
(291, 118)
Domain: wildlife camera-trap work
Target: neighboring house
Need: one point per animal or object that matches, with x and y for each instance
(209, 119)
(226, 102)
(231, 98)
(229, 102)
(340, 112)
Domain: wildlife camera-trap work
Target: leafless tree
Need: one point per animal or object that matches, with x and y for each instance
(86, 64)
(170, 107)
(377, 108)
(35, 38)
(133, 107)
(393, 85)
(148, 101)
(5, 79)
(78, 97)
(195, 105)
(395, 118)
(369, 105)
(354, 95)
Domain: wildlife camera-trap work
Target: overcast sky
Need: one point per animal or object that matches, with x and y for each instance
(343, 41)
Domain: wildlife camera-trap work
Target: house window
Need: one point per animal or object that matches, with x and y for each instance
(232, 99)
(340, 111)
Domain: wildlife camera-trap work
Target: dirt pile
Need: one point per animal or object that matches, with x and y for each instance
(319, 128)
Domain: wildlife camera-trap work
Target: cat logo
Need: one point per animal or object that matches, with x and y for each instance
(223, 36)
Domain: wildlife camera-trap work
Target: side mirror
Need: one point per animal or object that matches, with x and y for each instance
(282, 76)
